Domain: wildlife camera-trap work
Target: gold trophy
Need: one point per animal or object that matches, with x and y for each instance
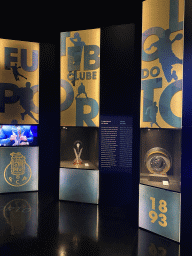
(77, 150)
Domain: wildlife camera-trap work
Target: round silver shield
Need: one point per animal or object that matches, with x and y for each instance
(158, 160)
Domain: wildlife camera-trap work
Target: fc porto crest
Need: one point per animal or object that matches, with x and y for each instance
(17, 173)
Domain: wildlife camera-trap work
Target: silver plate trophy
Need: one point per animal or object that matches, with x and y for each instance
(158, 161)
(77, 150)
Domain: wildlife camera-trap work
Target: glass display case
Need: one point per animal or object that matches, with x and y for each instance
(160, 154)
(79, 147)
(79, 116)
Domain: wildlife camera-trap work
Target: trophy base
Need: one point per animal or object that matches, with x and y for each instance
(158, 177)
(77, 162)
(86, 164)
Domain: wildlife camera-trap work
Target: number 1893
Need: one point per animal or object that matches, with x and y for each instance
(162, 208)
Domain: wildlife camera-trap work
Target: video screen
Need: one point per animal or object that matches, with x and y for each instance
(18, 135)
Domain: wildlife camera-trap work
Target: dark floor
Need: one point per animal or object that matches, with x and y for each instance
(36, 224)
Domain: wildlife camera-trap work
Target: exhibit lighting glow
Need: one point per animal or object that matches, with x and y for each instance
(63, 251)
(97, 230)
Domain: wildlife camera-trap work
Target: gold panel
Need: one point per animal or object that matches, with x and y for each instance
(19, 82)
(80, 59)
(162, 64)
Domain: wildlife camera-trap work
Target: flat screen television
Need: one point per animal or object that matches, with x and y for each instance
(18, 135)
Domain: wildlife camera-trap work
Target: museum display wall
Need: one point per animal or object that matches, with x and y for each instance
(79, 118)
(19, 116)
(101, 142)
(161, 117)
(47, 133)
(186, 177)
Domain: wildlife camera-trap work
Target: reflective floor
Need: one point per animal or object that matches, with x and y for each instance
(36, 224)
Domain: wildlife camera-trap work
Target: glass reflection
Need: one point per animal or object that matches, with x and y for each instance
(78, 229)
(18, 214)
(155, 245)
(73, 244)
(79, 219)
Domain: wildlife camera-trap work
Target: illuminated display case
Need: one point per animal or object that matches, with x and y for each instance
(19, 116)
(161, 112)
(79, 116)
(79, 143)
(161, 158)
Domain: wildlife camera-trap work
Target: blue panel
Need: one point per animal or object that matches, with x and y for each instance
(18, 169)
(159, 211)
(79, 185)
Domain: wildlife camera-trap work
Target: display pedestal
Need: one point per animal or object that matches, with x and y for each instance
(86, 164)
(79, 185)
(158, 177)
